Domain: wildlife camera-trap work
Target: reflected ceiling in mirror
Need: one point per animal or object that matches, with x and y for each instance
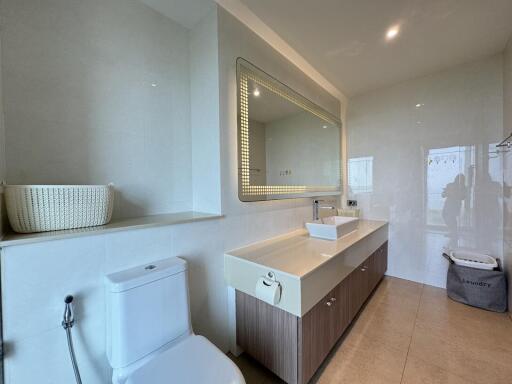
(287, 146)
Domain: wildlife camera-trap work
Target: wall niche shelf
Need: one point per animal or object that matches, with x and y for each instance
(116, 225)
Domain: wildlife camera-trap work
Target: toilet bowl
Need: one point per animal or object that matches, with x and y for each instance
(149, 333)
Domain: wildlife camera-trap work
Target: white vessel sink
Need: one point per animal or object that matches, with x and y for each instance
(332, 227)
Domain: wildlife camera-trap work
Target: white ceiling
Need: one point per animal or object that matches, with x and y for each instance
(184, 12)
(344, 39)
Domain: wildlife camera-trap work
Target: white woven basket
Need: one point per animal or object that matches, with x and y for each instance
(40, 208)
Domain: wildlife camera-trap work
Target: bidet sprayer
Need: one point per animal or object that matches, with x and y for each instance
(68, 318)
(68, 321)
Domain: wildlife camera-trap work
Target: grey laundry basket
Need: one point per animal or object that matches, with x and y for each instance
(477, 287)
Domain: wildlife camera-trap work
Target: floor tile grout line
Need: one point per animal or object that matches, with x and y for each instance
(420, 358)
(412, 333)
(419, 361)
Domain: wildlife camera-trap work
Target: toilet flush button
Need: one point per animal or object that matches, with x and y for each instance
(150, 267)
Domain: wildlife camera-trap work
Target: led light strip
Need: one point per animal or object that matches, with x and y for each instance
(245, 73)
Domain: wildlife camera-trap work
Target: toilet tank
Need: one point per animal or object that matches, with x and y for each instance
(147, 307)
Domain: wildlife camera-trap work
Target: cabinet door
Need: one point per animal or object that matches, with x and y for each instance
(317, 335)
(341, 308)
(370, 267)
(375, 269)
(376, 266)
(383, 259)
(380, 263)
(357, 289)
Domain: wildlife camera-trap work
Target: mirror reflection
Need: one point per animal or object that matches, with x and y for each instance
(292, 149)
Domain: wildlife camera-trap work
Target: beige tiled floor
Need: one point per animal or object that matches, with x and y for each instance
(410, 333)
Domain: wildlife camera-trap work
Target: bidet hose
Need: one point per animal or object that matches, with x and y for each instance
(67, 324)
(72, 354)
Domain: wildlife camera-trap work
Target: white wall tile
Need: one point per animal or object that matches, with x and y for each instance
(128, 249)
(3, 213)
(98, 92)
(202, 245)
(459, 107)
(45, 358)
(36, 278)
(507, 167)
(205, 100)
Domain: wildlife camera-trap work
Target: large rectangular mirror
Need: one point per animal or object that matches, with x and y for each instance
(288, 146)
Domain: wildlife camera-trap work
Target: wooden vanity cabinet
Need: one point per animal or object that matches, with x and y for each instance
(295, 347)
(324, 324)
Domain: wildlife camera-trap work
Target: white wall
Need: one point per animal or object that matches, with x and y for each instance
(35, 278)
(3, 214)
(507, 167)
(204, 93)
(235, 41)
(299, 143)
(98, 91)
(462, 108)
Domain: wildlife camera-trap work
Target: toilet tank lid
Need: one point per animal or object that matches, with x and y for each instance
(144, 274)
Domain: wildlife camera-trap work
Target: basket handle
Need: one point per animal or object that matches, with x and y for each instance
(498, 268)
(447, 257)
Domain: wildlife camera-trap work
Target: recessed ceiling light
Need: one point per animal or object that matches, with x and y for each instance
(325, 127)
(256, 92)
(418, 105)
(392, 32)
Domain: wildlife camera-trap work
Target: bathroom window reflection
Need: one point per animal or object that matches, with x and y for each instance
(447, 185)
(463, 192)
(360, 174)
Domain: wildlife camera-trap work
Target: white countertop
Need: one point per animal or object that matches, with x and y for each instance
(298, 254)
(307, 268)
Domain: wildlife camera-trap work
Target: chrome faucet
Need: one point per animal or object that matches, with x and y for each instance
(317, 207)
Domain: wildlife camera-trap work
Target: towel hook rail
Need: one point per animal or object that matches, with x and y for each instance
(506, 142)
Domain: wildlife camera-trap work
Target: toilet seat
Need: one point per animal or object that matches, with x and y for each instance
(195, 360)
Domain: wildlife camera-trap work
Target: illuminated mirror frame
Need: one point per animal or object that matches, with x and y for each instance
(246, 190)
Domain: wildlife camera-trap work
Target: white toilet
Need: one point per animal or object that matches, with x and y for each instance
(149, 334)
